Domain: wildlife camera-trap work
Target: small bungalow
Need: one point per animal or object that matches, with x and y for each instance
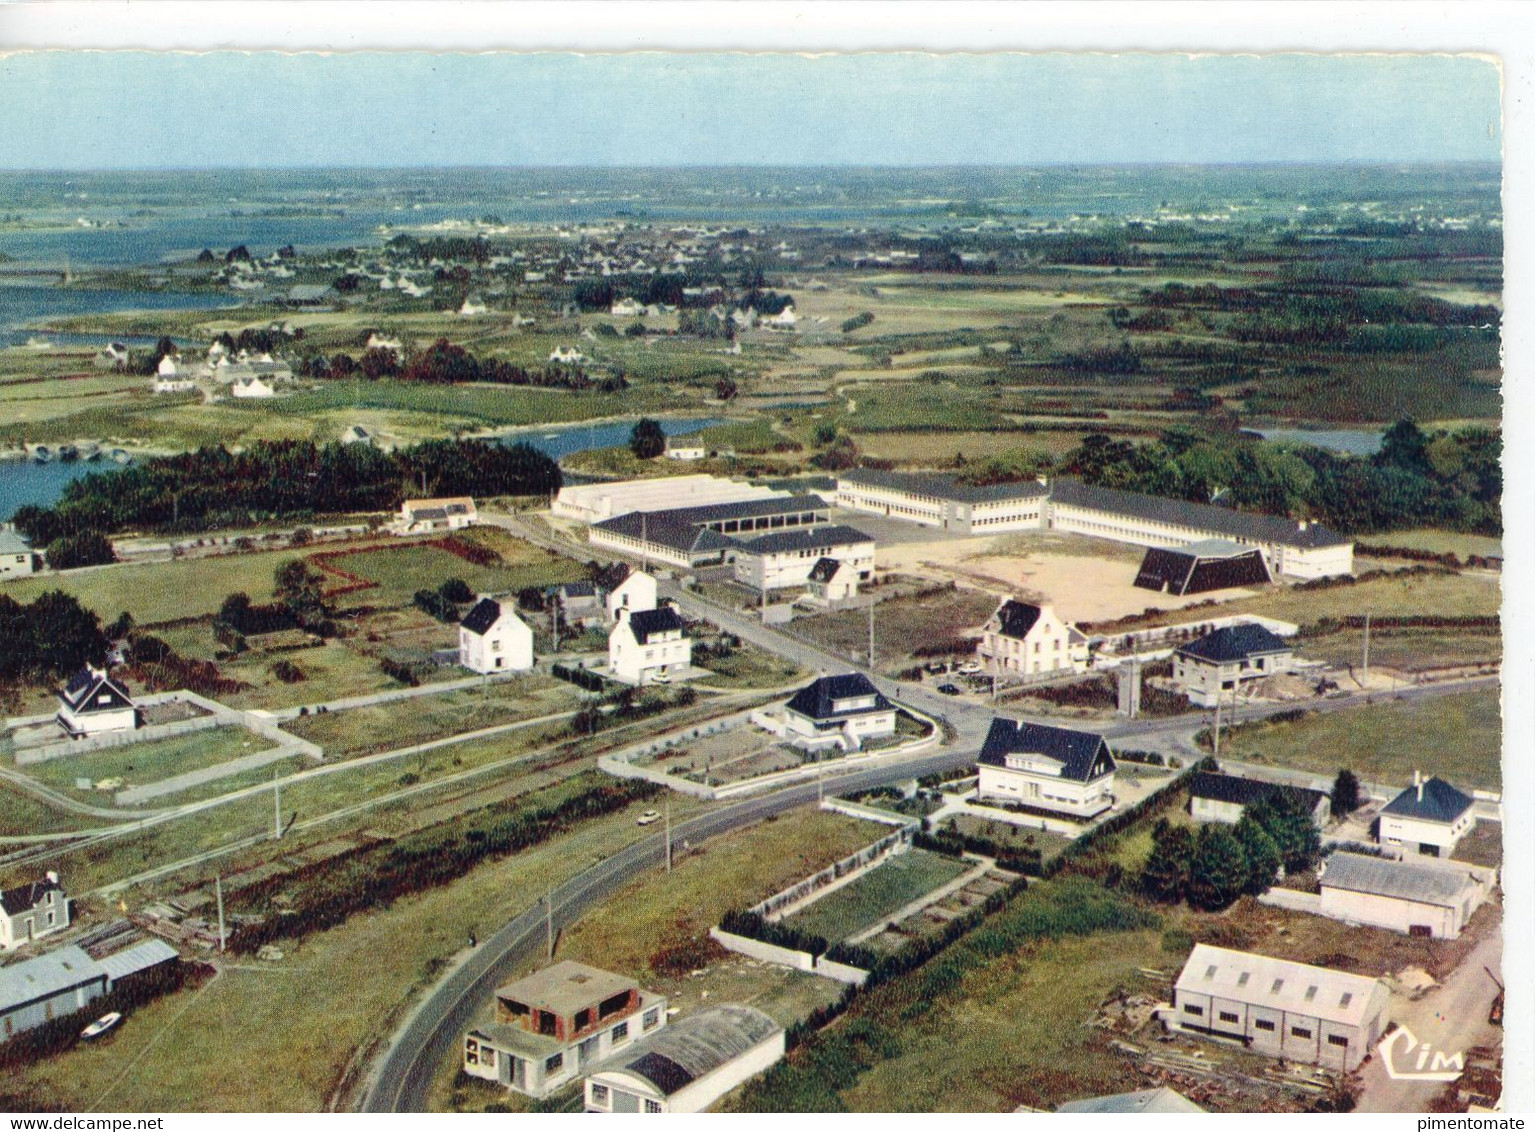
(1046, 768)
(831, 580)
(690, 1064)
(566, 356)
(689, 447)
(30, 911)
(16, 557)
(1225, 797)
(356, 434)
(423, 516)
(93, 703)
(1428, 818)
(250, 388)
(492, 638)
(1224, 661)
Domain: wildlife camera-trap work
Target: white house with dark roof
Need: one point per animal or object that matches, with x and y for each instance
(1222, 663)
(784, 559)
(1416, 897)
(93, 703)
(492, 638)
(1225, 797)
(690, 1064)
(648, 643)
(31, 911)
(1030, 640)
(690, 447)
(425, 516)
(635, 593)
(831, 581)
(16, 557)
(838, 711)
(1278, 1008)
(1046, 768)
(1428, 818)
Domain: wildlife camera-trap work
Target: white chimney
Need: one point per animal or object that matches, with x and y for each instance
(1417, 780)
(53, 877)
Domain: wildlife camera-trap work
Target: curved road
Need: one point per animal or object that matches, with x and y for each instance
(402, 1076)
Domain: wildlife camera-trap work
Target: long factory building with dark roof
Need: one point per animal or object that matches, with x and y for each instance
(1297, 549)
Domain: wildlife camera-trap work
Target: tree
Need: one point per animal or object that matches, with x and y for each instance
(725, 389)
(1286, 818)
(89, 548)
(1262, 854)
(1345, 793)
(647, 441)
(1166, 873)
(300, 588)
(65, 635)
(1219, 872)
(456, 590)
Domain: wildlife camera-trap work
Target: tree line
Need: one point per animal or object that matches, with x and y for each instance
(444, 363)
(213, 487)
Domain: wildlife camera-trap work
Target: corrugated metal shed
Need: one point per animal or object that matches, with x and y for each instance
(1259, 980)
(1439, 885)
(45, 975)
(697, 1045)
(140, 957)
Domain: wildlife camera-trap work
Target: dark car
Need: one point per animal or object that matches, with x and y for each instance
(949, 689)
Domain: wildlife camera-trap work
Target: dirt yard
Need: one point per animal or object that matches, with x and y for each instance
(1085, 579)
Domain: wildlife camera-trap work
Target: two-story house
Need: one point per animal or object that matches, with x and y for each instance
(635, 593)
(1222, 662)
(1030, 640)
(648, 643)
(556, 1025)
(1046, 768)
(492, 638)
(30, 911)
(1428, 818)
(838, 711)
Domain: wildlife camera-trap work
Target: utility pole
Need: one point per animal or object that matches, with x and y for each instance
(218, 888)
(871, 638)
(1218, 698)
(276, 806)
(549, 924)
(668, 835)
(1366, 646)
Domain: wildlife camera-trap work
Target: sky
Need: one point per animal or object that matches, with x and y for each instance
(84, 110)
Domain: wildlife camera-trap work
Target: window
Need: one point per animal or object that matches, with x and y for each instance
(652, 1106)
(1348, 997)
(600, 1095)
(1196, 1011)
(1337, 1040)
(1210, 971)
(1299, 1032)
(553, 1064)
(1277, 987)
(1243, 977)
(651, 1018)
(1310, 994)
(621, 1031)
(1263, 1024)
(471, 1052)
(1227, 1016)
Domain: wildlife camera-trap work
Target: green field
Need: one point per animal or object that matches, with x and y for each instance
(402, 570)
(141, 763)
(876, 894)
(1458, 737)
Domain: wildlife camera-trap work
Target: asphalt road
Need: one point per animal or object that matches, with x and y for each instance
(401, 1078)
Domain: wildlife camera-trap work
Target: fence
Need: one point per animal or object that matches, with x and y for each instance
(845, 870)
(867, 813)
(1293, 901)
(107, 740)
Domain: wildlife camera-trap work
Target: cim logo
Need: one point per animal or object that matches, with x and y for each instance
(1407, 1059)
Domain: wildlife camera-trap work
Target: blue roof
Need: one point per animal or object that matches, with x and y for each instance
(46, 975)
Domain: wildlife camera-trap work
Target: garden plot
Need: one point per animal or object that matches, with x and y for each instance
(137, 772)
(900, 880)
(933, 918)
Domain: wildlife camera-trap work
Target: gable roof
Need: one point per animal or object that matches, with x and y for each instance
(1200, 516)
(693, 1047)
(815, 699)
(1245, 791)
(804, 538)
(25, 896)
(438, 508)
(646, 623)
(826, 569)
(1444, 886)
(1317, 992)
(945, 487)
(1235, 642)
(1440, 802)
(1076, 751)
(1016, 618)
(484, 615)
(1142, 1100)
(46, 975)
(1191, 570)
(87, 685)
(13, 543)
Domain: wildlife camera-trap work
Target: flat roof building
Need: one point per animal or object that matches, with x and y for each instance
(594, 502)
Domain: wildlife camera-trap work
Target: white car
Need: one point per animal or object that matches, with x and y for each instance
(660, 678)
(969, 668)
(100, 1026)
(649, 817)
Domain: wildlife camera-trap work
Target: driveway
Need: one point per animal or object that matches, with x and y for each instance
(1451, 1019)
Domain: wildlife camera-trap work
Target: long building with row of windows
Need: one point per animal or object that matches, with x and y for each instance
(1297, 549)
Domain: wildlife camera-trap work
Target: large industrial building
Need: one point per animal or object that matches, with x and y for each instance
(595, 502)
(1295, 549)
(710, 535)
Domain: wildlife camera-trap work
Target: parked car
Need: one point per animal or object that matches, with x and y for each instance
(100, 1026)
(649, 817)
(969, 668)
(949, 689)
(660, 678)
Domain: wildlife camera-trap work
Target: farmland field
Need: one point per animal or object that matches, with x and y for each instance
(881, 891)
